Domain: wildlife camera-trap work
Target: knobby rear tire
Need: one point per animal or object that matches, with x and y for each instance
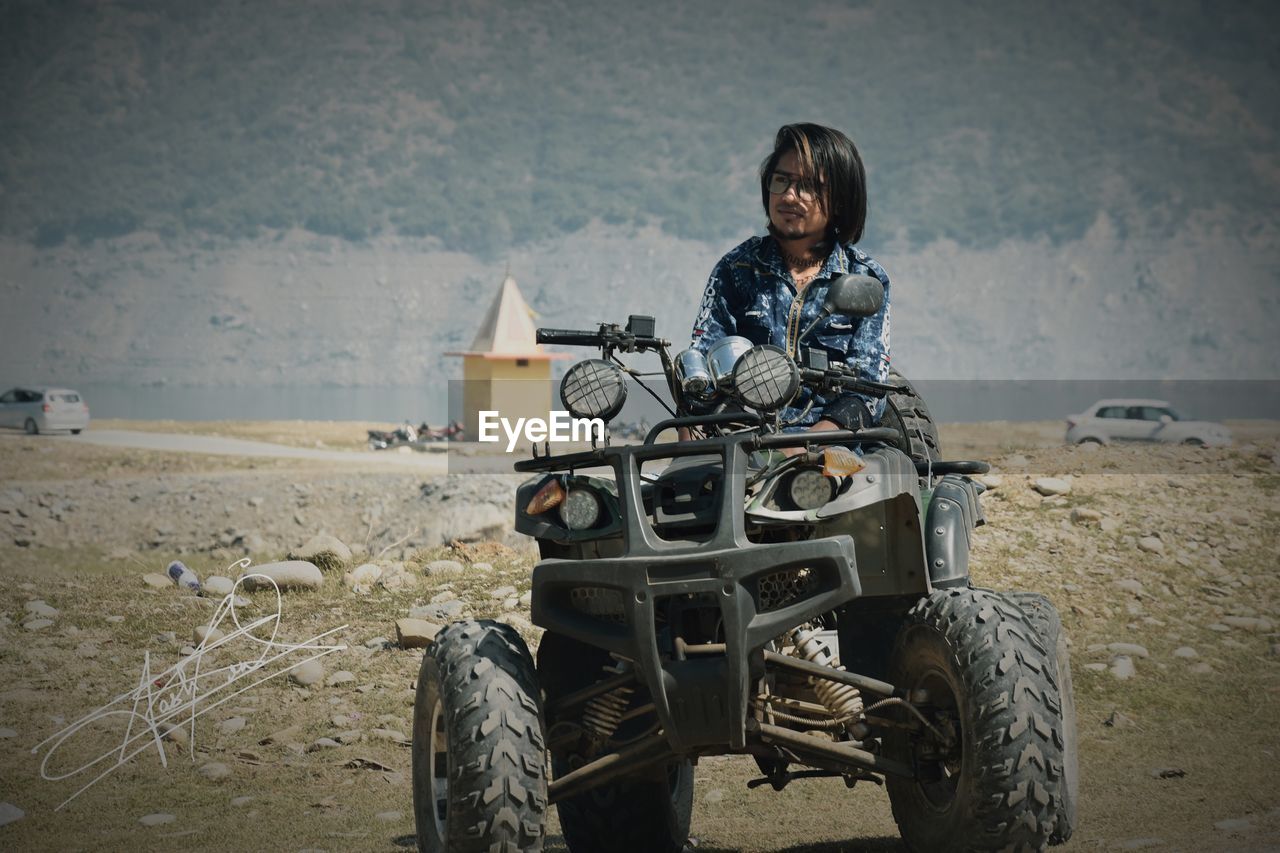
(907, 411)
(1048, 623)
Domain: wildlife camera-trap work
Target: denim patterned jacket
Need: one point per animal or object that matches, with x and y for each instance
(751, 293)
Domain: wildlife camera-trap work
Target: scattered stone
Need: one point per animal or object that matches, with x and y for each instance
(342, 676)
(1247, 623)
(991, 481)
(7, 733)
(156, 819)
(1122, 667)
(1131, 586)
(232, 725)
(205, 634)
(395, 579)
(1185, 652)
(415, 633)
(87, 650)
(39, 608)
(349, 736)
(443, 568)
(442, 597)
(715, 795)
(390, 734)
(293, 574)
(1109, 525)
(240, 802)
(9, 813)
(377, 644)
(37, 624)
(178, 734)
(215, 771)
(1131, 649)
(364, 576)
(389, 817)
(1119, 720)
(444, 612)
(156, 581)
(1151, 544)
(502, 592)
(515, 620)
(307, 673)
(323, 743)
(327, 552)
(482, 567)
(1140, 843)
(1084, 516)
(219, 585)
(1168, 773)
(255, 501)
(115, 619)
(1200, 668)
(527, 599)
(1233, 824)
(511, 603)
(1219, 627)
(1049, 486)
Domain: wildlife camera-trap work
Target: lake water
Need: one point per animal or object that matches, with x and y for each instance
(949, 400)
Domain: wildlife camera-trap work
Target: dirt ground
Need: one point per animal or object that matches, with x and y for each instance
(1170, 549)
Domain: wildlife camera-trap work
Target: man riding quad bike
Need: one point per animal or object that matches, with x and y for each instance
(799, 597)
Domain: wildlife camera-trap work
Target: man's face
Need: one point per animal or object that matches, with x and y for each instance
(796, 214)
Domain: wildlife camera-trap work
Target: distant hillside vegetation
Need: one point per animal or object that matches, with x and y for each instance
(490, 124)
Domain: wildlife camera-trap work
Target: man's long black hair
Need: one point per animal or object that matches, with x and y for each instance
(829, 161)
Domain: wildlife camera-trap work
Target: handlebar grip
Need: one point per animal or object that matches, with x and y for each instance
(569, 337)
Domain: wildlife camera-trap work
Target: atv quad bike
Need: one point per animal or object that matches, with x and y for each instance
(718, 596)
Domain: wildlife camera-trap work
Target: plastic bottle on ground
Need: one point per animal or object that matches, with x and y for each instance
(183, 576)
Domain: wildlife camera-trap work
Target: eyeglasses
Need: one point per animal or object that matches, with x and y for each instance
(780, 182)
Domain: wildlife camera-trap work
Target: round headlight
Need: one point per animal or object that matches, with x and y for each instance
(808, 489)
(723, 355)
(765, 377)
(581, 509)
(593, 389)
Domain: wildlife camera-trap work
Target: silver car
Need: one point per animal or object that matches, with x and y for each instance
(1108, 421)
(37, 410)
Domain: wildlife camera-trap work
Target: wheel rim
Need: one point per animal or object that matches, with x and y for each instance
(439, 788)
(939, 769)
(31, 427)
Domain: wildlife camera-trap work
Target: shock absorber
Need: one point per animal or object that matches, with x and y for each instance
(603, 714)
(842, 700)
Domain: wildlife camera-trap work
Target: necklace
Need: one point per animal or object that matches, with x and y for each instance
(798, 262)
(803, 280)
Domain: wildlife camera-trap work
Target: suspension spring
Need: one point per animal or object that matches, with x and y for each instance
(603, 714)
(842, 700)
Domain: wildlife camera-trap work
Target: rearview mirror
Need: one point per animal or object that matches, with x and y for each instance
(858, 295)
(855, 295)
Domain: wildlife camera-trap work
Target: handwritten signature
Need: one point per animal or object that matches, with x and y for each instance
(189, 689)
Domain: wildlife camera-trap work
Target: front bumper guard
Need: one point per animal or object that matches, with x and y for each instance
(700, 700)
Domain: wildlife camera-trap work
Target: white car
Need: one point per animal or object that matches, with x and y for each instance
(1108, 421)
(36, 410)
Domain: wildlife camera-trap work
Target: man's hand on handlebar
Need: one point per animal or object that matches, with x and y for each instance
(821, 426)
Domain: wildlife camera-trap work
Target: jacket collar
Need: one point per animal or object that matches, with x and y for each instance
(769, 260)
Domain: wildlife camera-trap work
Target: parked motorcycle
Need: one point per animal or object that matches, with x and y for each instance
(407, 434)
